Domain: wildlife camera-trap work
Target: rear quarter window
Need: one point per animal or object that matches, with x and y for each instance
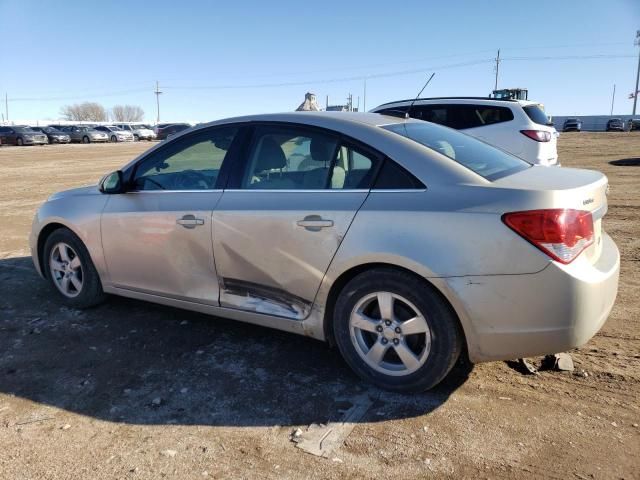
(536, 115)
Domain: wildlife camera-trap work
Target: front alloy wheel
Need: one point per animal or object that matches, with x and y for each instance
(66, 271)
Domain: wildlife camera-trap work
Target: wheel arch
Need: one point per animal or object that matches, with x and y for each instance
(346, 276)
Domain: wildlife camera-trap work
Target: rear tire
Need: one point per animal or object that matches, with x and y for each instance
(114, 139)
(395, 331)
(86, 139)
(70, 271)
(19, 142)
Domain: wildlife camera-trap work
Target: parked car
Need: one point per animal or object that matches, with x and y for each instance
(115, 134)
(53, 135)
(163, 132)
(84, 134)
(140, 132)
(21, 135)
(633, 124)
(520, 127)
(615, 124)
(572, 125)
(403, 242)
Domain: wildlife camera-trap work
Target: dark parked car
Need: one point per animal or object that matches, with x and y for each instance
(572, 125)
(633, 124)
(53, 134)
(615, 124)
(170, 129)
(20, 135)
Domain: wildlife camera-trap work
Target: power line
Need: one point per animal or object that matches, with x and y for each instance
(360, 77)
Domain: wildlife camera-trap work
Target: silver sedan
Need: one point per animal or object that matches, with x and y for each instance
(404, 243)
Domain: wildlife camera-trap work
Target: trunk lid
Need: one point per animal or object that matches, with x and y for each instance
(568, 188)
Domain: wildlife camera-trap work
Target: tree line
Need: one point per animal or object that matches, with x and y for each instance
(94, 112)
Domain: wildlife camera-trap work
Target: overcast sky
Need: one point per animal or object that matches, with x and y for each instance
(221, 59)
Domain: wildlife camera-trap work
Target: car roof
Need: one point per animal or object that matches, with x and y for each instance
(461, 100)
(331, 120)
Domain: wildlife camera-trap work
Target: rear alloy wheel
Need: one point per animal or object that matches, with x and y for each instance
(71, 271)
(395, 331)
(86, 139)
(19, 142)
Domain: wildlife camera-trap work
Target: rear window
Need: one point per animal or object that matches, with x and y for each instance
(537, 115)
(479, 157)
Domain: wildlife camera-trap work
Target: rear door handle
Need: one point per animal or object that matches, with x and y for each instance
(190, 221)
(314, 223)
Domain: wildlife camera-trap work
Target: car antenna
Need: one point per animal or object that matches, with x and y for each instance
(407, 115)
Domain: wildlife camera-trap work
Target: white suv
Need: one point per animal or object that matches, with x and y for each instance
(518, 126)
(140, 132)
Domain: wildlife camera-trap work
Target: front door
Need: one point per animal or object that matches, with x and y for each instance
(284, 216)
(157, 236)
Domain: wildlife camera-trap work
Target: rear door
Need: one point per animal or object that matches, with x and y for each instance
(157, 236)
(284, 215)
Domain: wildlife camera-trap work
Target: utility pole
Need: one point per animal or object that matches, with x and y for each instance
(635, 92)
(613, 98)
(6, 106)
(495, 87)
(364, 98)
(158, 93)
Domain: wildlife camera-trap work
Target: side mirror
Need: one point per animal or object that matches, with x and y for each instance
(112, 183)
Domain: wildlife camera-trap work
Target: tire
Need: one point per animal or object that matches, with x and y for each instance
(19, 142)
(136, 138)
(114, 139)
(434, 352)
(89, 293)
(86, 139)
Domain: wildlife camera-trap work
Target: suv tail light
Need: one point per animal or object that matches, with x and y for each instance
(537, 135)
(560, 233)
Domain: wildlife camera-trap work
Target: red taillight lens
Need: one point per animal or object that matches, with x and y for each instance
(560, 233)
(537, 135)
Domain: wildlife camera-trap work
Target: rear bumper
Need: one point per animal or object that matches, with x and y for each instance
(554, 310)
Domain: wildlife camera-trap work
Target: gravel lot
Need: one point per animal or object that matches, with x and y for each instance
(135, 390)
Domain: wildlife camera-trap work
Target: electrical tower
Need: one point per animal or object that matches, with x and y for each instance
(635, 92)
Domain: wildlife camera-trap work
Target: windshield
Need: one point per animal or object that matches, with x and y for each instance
(479, 157)
(537, 115)
(24, 130)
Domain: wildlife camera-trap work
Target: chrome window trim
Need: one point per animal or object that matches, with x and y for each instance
(398, 190)
(207, 190)
(318, 190)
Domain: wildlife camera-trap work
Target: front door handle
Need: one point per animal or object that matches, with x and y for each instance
(190, 221)
(314, 223)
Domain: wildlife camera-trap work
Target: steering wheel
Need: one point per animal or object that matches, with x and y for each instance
(191, 180)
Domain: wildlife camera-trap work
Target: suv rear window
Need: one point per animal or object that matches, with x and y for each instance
(459, 116)
(537, 115)
(479, 157)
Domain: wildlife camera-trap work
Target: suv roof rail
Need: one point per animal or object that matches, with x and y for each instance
(452, 98)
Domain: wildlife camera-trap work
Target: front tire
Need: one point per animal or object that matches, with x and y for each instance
(395, 331)
(19, 142)
(86, 139)
(70, 271)
(114, 139)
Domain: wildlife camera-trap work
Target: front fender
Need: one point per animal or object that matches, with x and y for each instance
(80, 214)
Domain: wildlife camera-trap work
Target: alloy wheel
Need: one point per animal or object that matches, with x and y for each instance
(66, 270)
(390, 334)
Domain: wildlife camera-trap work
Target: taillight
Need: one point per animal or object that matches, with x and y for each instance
(560, 233)
(537, 135)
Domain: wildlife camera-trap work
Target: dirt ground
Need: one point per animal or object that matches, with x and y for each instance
(135, 390)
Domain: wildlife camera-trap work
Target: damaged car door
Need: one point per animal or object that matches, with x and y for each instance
(156, 235)
(284, 214)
